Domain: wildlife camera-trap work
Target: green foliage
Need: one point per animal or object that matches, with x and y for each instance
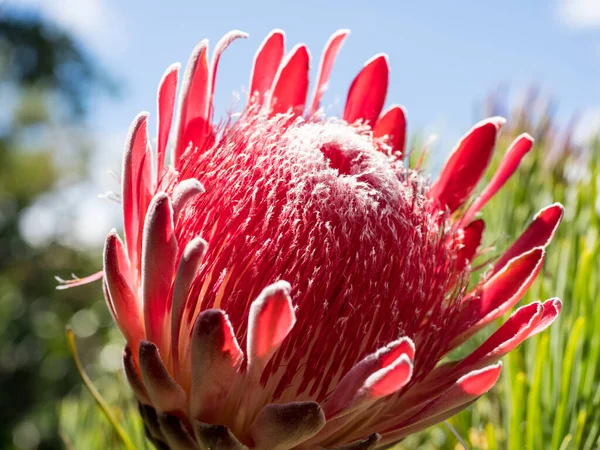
(549, 394)
(38, 64)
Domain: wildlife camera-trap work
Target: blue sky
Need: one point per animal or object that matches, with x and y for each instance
(445, 56)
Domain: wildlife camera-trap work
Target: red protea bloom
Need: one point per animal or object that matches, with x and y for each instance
(224, 354)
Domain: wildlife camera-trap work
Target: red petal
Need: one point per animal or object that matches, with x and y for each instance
(184, 192)
(216, 357)
(135, 178)
(166, 104)
(270, 320)
(519, 326)
(463, 392)
(473, 234)
(332, 47)
(508, 166)
(479, 381)
(538, 234)
(158, 265)
(522, 324)
(124, 303)
(367, 92)
(266, 65)
(393, 125)
(552, 309)
(342, 398)
(188, 269)
(165, 393)
(466, 389)
(389, 379)
(466, 164)
(219, 49)
(501, 292)
(291, 84)
(193, 120)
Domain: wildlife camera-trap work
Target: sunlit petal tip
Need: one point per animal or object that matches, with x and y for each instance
(404, 345)
(392, 124)
(551, 311)
(266, 66)
(388, 380)
(184, 192)
(378, 59)
(539, 233)
(368, 91)
(497, 121)
(332, 48)
(355, 387)
(167, 90)
(466, 164)
(290, 87)
(165, 393)
(478, 382)
(522, 324)
(194, 101)
(284, 426)
(271, 318)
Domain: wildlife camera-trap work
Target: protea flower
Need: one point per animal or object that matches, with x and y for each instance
(288, 282)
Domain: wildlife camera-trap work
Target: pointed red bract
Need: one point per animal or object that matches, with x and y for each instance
(291, 84)
(473, 234)
(538, 234)
(122, 298)
(507, 167)
(193, 108)
(158, 264)
(368, 91)
(135, 185)
(219, 49)
(357, 377)
(501, 292)
(271, 318)
(466, 165)
(166, 105)
(333, 46)
(266, 65)
(393, 125)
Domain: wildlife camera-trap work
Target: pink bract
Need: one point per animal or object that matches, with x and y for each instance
(345, 353)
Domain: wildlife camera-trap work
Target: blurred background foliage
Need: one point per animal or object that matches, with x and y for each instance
(549, 395)
(46, 80)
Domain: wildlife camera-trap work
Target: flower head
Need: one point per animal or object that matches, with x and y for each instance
(345, 353)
